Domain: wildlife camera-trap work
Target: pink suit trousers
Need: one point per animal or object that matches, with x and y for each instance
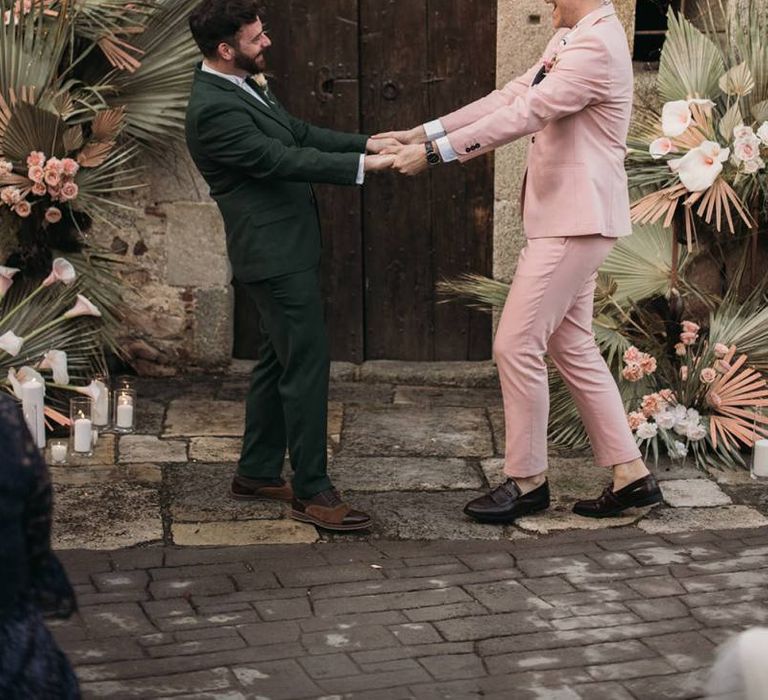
(549, 311)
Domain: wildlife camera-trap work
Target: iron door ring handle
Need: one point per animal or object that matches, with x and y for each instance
(390, 90)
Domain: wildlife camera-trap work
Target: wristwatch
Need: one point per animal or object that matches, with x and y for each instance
(433, 158)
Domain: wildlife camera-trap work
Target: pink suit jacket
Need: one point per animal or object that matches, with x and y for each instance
(575, 183)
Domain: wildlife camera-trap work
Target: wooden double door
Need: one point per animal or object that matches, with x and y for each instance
(368, 66)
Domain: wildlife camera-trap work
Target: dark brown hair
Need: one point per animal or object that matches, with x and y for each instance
(214, 21)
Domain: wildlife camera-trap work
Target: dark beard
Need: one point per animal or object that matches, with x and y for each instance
(250, 65)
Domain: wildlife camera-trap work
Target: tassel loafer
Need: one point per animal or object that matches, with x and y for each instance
(506, 503)
(643, 492)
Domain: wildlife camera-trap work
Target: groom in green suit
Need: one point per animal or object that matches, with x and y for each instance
(259, 162)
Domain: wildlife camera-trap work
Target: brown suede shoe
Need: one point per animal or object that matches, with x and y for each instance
(246, 489)
(327, 510)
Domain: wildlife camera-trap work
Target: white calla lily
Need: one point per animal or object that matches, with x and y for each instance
(11, 343)
(61, 271)
(56, 361)
(661, 147)
(6, 278)
(675, 118)
(700, 167)
(83, 307)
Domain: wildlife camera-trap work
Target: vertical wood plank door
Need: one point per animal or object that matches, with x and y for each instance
(421, 59)
(373, 65)
(315, 62)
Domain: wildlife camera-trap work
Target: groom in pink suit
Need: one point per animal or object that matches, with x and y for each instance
(574, 105)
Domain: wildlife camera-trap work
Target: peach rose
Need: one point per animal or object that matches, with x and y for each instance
(39, 189)
(690, 327)
(633, 372)
(69, 190)
(652, 404)
(36, 158)
(53, 215)
(52, 178)
(54, 193)
(36, 173)
(708, 375)
(722, 366)
(668, 395)
(635, 420)
(688, 338)
(648, 363)
(720, 350)
(10, 195)
(70, 167)
(23, 209)
(54, 165)
(632, 354)
(714, 399)
(680, 349)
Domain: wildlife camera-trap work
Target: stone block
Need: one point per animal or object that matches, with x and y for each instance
(664, 520)
(146, 448)
(403, 474)
(212, 449)
(196, 246)
(243, 533)
(430, 396)
(694, 493)
(204, 417)
(457, 374)
(212, 327)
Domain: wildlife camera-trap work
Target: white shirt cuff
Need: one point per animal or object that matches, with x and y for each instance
(434, 129)
(361, 170)
(446, 150)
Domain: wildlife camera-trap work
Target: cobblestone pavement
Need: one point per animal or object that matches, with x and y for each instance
(411, 443)
(614, 614)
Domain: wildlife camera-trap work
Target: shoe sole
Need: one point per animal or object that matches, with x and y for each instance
(304, 518)
(240, 497)
(503, 520)
(650, 501)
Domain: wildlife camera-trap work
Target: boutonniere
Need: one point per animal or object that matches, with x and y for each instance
(550, 64)
(261, 80)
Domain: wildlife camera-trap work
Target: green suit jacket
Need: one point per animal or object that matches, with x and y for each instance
(259, 162)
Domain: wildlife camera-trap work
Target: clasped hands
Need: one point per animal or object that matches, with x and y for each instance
(401, 151)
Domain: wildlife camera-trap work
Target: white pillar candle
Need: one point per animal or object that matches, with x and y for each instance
(59, 453)
(83, 435)
(760, 459)
(33, 405)
(100, 405)
(124, 415)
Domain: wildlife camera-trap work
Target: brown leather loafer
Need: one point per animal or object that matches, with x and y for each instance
(327, 510)
(244, 488)
(506, 503)
(643, 492)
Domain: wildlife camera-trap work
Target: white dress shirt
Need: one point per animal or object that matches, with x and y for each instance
(240, 81)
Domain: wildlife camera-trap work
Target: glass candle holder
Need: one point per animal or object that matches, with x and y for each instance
(80, 413)
(125, 405)
(58, 452)
(759, 466)
(125, 381)
(100, 409)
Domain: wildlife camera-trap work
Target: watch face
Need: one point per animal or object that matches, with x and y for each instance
(433, 158)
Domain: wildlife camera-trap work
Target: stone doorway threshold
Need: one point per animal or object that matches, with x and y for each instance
(410, 442)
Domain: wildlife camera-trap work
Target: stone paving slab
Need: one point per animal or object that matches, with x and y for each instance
(200, 416)
(582, 616)
(404, 474)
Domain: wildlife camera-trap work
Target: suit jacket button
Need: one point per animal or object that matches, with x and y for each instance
(533, 139)
(477, 145)
(468, 149)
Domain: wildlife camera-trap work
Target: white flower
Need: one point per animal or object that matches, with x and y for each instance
(700, 167)
(677, 450)
(701, 102)
(675, 118)
(56, 360)
(752, 166)
(11, 343)
(61, 271)
(746, 149)
(94, 390)
(696, 431)
(742, 132)
(666, 418)
(646, 431)
(83, 307)
(661, 147)
(762, 133)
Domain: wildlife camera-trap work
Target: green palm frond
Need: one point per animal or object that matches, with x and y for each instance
(691, 63)
(477, 291)
(745, 325)
(155, 97)
(31, 128)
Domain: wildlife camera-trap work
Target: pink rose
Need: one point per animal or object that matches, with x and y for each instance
(746, 149)
(10, 195)
(708, 375)
(742, 132)
(53, 215)
(722, 366)
(632, 354)
(36, 173)
(69, 190)
(652, 404)
(23, 209)
(39, 189)
(690, 327)
(684, 374)
(52, 178)
(54, 193)
(635, 420)
(54, 165)
(680, 349)
(720, 350)
(648, 363)
(70, 167)
(688, 338)
(36, 158)
(632, 372)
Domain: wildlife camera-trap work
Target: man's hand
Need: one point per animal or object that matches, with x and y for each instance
(377, 163)
(384, 144)
(411, 160)
(406, 137)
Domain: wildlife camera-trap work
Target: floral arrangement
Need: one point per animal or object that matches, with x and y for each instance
(703, 154)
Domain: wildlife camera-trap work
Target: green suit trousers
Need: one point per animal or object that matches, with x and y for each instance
(287, 404)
